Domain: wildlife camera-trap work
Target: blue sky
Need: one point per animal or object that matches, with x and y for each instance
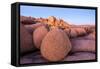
(71, 15)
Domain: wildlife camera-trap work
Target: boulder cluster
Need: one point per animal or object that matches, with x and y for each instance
(52, 40)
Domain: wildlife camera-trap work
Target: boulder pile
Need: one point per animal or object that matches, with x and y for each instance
(55, 40)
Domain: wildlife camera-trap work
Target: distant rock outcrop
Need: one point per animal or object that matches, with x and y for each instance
(53, 22)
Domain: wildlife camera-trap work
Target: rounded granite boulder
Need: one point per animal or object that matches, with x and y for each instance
(55, 45)
(38, 35)
(26, 41)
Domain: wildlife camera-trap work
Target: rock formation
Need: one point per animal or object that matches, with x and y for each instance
(82, 38)
(53, 22)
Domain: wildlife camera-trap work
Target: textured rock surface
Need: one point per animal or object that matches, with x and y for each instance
(38, 35)
(55, 46)
(26, 41)
(32, 58)
(37, 58)
(32, 27)
(80, 56)
(27, 20)
(83, 44)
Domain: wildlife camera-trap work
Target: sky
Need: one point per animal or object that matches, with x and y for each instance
(71, 15)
